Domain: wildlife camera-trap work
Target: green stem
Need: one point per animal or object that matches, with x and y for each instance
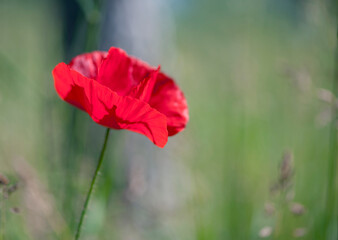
(2, 213)
(85, 206)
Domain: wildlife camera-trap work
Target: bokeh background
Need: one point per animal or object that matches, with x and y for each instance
(255, 161)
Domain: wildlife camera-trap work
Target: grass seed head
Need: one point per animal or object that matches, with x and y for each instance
(297, 209)
(286, 170)
(265, 232)
(3, 180)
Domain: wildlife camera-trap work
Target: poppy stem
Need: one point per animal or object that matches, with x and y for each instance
(85, 206)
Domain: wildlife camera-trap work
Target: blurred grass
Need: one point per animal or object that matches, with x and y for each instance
(246, 111)
(250, 72)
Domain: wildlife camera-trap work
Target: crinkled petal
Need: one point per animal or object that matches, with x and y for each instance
(116, 72)
(138, 116)
(107, 108)
(140, 69)
(123, 73)
(144, 89)
(168, 99)
(88, 63)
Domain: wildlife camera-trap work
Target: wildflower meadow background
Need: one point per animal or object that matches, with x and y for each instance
(257, 160)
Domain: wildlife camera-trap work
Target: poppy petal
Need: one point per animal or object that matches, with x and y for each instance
(168, 99)
(144, 89)
(116, 72)
(140, 69)
(107, 108)
(138, 116)
(88, 63)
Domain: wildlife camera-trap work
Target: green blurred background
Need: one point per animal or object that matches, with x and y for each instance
(253, 162)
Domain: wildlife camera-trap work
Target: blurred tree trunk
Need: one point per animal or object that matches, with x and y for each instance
(145, 29)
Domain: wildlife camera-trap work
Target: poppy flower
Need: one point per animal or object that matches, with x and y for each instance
(122, 92)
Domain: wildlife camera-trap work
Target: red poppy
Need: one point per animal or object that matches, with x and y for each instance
(122, 92)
